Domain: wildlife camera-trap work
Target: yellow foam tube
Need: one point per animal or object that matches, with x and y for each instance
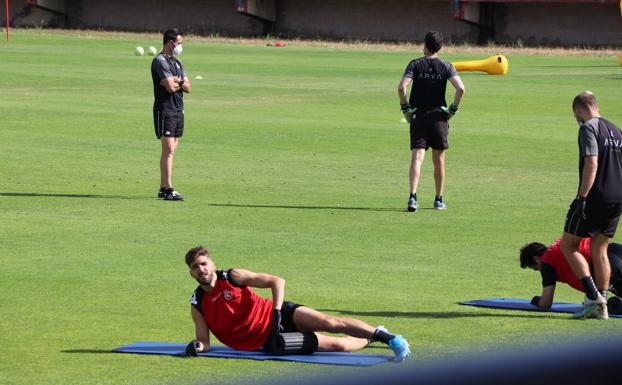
(494, 65)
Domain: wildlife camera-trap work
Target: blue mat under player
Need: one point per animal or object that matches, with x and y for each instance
(327, 358)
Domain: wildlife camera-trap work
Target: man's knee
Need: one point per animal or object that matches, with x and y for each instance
(335, 345)
(330, 323)
(418, 154)
(568, 244)
(168, 151)
(332, 344)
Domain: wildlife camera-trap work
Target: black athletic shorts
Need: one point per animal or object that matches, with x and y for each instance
(602, 218)
(429, 129)
(310, 343)
(168, 123)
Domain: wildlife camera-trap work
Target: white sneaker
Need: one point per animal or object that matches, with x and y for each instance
(601, 312)
(593, 308)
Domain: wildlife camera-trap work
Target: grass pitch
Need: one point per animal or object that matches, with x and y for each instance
(294, 162)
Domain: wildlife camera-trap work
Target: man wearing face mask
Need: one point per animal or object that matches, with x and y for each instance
(169, 84)
(595, 211)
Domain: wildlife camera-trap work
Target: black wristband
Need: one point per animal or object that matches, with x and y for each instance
(276, 320)
(192, 349)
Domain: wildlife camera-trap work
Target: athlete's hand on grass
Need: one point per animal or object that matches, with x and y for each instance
(194, 348)
(408, 111)
(450, 111)
(580, 206)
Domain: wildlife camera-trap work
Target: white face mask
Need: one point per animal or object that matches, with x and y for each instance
(178, 50)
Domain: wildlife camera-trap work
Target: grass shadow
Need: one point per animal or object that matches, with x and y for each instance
(434, 315)
(106, 351)
(90, 351)
(575, 66)
(303, 207)
(55, 195)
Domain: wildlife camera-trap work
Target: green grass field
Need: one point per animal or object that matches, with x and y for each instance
(294, 162)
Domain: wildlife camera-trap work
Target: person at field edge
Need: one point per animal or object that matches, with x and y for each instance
(553, 268)
(427, 112)
(596, 209)
(225, 304)
(169, 84)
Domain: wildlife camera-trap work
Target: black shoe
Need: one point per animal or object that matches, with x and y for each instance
(172, 195)
(161, 193)
(412, 204)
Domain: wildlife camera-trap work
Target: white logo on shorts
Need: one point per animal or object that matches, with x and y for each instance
(167, 132)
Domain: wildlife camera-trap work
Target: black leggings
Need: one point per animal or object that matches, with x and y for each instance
(614, 252)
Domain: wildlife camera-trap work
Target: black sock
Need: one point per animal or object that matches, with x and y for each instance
(382, 336)
(439, 198)
(413, 195)
(590, 287)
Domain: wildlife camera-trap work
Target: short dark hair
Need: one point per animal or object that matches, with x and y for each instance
(171, 35)
(530, 250)
(195, 252)
(585, 100)
(433, 41)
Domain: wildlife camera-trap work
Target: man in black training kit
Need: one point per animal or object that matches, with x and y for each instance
(596, 210)
(427, 112)
(169, 84)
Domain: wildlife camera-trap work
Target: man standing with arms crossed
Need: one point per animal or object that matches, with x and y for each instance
(427, 112)
(169, 84)
(596, 210)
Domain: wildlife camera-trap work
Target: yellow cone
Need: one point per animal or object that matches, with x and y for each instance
(494, 65)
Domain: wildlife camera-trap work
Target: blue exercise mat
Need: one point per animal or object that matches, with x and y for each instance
(524, 304)
(327, 358)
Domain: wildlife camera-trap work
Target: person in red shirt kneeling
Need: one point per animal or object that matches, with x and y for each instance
(554, 267)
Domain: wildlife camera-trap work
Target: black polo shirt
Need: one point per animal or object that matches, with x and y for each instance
(163, 67)
(599, 137)
(429, 77)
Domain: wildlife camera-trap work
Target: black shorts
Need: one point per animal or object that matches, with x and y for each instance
(602, 218)
(429, 129)
(287, 316)
(310, 343)
(168, 123)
